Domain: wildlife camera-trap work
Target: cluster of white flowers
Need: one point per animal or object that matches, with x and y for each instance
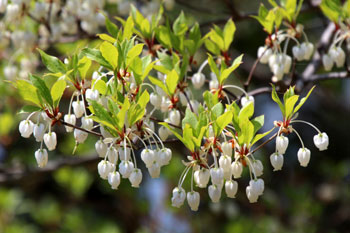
(279, 61)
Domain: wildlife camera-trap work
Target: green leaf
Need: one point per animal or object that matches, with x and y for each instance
(213, 66)
(106, 37)
(289, 105)
(258, 122)
(28, 92)
(260, 136)
(229, 31)
(29, 109)
(159, 83)
(247, 132)
(188, 137)
(57, 91)
(277, 100)
(83, 67)
(217, 110)
(101, 86)
(128, 28)
(101, 115)
(180, 26)
(331, 9)
(134, 52)
(53, 64)
(143, 99)
(222, 121)
(190, 119)
(171, 81)
(224, 75)
(135, 113)
(112, 28)
(95, 55)
(43, 91)
(122, 113)
(302, 101)
(246, 112)
(212, 47)
(217, 39)
(110, 53)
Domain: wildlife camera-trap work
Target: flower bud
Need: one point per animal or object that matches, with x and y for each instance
(174, 117)
(193, 199)
(125, 168)
(321, 141)
(50, 140)
(80, 136)
(104, 168)
(87, 123)
(225, 163)
(148, 157)
(78, 108)
(155, 100)
(198, 80)
(114, 179)
(201, 177)
(101, 148)
(71, 119)
(135, 177)
(164, 156)
(226, 148)
(276, 160)
(327, 62)
(231, 187)
(112, 155)
(281, 144)
(237, 169)
(41, 157)
(154, 170)
(217, 176)
(179, 196)
(298, 52)
(26, 128)
(304, 156)
(308, 48)
(258, 167)
(92, 94)
(39, 131)
(245, 100)
(264, 55)
(215, 192)
(163, 133)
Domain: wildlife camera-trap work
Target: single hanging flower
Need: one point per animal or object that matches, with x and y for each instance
(179, 196)
(281, 144)
(101, 148)
(304, 156)
(198, 80)
(26, 128)
(39, 131)
(215, 192)
(50, 140)
(276, 160)
(201, 177)
(126, 168)
(135, 177)
(193, 199)
(71, 119)
(231, 187)
(321, 141)
(114, 179)
(41, 157)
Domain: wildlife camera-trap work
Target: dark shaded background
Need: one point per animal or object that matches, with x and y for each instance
(296, 199)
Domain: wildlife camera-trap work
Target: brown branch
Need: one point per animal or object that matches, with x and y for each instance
(160, 121)
(249, 79)
(82, 129)
(264, 143)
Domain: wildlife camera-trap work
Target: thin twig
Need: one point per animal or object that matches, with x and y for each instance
(160, 121)
(79, 128)
(264, 143)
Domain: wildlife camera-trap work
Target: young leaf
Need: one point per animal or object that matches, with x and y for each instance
(43, 91)
(171, 81)
(95, 55)
(57, 91)
(53, 64)
(28, 92)
(224, 75)
(110, 53)
(289, 105)
(159, 83)
(83, 66)
(222, 121)
(229, 31)
(302, 101)
(213, 66)
(277, 100)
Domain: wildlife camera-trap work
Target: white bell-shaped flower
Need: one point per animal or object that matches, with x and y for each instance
(148, 157)
(112, 155)
(327, 62)
(193, 199)
(217, 175)
(164, 156)
(41, 157)
(237, 169)
(278, 70)
(163, 133)
(104, 168)
(71, 119)
(338, 56)
(125, 168)
(260, 185)
(50, 140)
(114, 179)
(92, 94)
(26, 128)
(80, 136)
(298, 52)
(213, 84)
(321, 141)
(308, 48)
(201, 177)
(245, 100)
(155, 100)
(198, 80)
(154, 170)
(304, 156)
(78, 108)
(164, 106)
(264, 55)
(287, 63)
(39, 131)
(101, 148)
(135, 178)
(215, 192)
(124, 154)
(258, 167)
(231, 187)
(281, 144)
(276, 160)
(226, 148)
(87, 123)
(225, 163)
(252, 191)
(178, 198)
(174, 117)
